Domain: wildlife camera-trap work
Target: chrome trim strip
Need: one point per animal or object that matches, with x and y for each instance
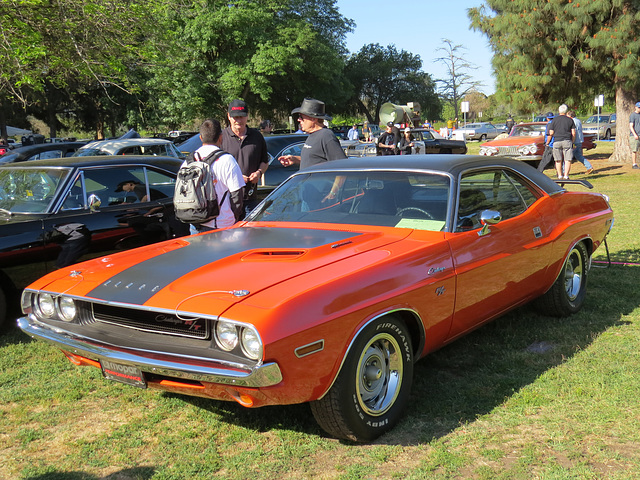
(264, 375)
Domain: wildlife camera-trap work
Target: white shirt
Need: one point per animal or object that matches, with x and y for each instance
(353, 134)
(228, 179)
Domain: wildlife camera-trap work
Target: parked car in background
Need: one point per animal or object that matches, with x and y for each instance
(56, 212)
(526, 143)
(333, 287)
(478, 131)
(130, 146)
(277, 146)
(429, 141)
(502, 128)
(601, 126)
(425, 141)
(41, 151)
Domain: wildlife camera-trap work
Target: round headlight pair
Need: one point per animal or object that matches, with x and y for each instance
(63, 308)
(528, 149)
(228, 335)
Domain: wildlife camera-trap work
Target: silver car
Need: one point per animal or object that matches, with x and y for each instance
(604, 126)
(479, 131)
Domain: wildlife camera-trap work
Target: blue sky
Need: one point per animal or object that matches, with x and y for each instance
(418, 26)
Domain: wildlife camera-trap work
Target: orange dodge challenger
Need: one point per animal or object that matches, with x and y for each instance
(330, 291)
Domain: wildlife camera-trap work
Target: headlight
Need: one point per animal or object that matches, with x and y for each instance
(251, 344)
(67, 308)
(226, 335)
(528, 149)
(488, 151)
(46, 305)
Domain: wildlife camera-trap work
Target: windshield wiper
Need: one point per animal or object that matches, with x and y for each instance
(6, 212)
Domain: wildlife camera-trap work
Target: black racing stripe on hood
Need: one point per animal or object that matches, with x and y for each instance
(139, 283)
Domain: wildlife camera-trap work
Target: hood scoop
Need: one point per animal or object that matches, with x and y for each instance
(277, 255)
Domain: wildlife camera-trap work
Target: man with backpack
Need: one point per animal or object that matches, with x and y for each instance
(220, 171)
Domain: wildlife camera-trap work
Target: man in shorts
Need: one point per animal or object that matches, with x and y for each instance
(634, 130)
(563, 131)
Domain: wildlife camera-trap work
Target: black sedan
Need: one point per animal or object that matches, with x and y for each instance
(429, 141)
(277, 146)
(41, 151)
(54, 213)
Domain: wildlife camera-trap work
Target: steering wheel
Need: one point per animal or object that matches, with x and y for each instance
(416, 209)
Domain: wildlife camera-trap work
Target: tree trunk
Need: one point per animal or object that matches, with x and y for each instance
(625, 101)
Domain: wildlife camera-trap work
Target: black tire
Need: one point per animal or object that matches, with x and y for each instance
(568, 292)
(373, 386)
(483, 137)
(607, 135)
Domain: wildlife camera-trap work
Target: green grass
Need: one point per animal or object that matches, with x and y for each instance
(525, 397)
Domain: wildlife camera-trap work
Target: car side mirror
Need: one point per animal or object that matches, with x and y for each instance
(94, 202)
(488, 217)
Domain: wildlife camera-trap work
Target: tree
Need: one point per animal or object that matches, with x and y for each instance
(72, 45)
(565, 52)
(384, 74)
(271, 53)
(458, 82)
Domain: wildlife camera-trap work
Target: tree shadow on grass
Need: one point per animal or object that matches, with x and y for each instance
(137, 473)
(475, 374)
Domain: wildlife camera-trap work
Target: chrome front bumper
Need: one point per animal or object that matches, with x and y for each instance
(264, 375)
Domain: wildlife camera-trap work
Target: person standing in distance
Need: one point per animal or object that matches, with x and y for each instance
(353, 133)
(634, 131)
(321, 144)
(249, 149)
(577, 151)
(563, 131)
(228, 177)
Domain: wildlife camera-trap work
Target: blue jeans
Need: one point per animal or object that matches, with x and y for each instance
(577, 154)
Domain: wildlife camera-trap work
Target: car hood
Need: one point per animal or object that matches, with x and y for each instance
(514, 141)
(208, 273)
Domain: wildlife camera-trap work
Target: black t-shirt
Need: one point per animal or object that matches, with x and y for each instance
(562, 126)
(321, 146)
(249, 152)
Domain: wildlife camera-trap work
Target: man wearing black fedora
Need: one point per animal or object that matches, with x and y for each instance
(321, 145)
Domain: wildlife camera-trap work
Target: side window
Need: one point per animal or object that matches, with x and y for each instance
(117, 185)
(135, 150)
(48, 154)
(496, 190)
(75, 197)
(154, 150)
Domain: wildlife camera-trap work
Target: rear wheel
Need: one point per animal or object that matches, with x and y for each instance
(568, 292)
(372, 388)
(483, 137)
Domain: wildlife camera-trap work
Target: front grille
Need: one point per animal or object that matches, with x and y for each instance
(150, 321)
(508, 151)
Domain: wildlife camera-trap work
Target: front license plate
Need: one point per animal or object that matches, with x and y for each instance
(123, 373)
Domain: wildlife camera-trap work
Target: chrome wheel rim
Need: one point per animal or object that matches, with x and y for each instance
(573, 274)
(379, 374)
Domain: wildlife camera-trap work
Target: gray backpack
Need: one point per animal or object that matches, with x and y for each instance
(194, 198)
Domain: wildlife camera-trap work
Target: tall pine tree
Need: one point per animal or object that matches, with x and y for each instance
(566, 51)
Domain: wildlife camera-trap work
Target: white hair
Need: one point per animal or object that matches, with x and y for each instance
(562, 108)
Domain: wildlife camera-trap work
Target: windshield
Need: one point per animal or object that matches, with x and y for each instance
(598, 119)
(30, 190)
(527, 130)
(415, 200)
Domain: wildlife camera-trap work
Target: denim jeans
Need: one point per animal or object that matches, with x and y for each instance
(577, 154)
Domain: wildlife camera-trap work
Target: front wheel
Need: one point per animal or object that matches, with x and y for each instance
(607, 135)
(373, 386)
(568, 292)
